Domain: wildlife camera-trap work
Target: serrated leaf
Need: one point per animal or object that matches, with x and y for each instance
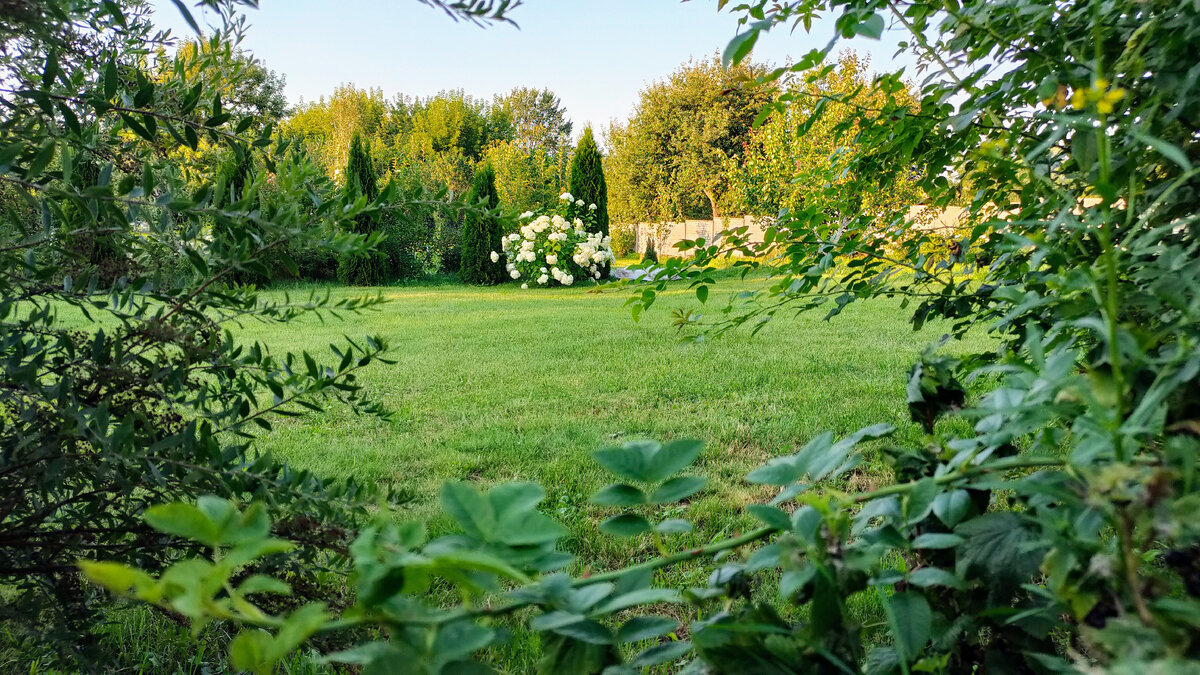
(914, 622)
(469, 509)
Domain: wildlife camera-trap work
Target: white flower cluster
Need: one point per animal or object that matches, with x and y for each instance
(551, 247)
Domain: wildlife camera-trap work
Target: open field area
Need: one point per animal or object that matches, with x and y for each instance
(494, 384)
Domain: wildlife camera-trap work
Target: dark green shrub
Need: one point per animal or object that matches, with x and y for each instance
(481, 231)
(366, 268)
(587, 184)
(650, 256)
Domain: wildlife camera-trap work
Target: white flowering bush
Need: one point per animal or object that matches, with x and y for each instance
(552, 249)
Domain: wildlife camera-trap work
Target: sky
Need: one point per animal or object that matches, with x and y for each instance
(597, 55)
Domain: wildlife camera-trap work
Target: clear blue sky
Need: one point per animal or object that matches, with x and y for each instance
(595, 54)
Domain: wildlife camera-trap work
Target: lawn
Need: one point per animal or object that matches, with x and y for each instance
(496, 384)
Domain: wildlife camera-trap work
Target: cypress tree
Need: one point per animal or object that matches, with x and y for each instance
(481, 233)
(587, 183)
(369, 268)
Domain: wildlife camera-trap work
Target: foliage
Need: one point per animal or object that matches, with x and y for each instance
(650, 255)
(588, 185)
(1057, 535)
(670, 159)
(123, 386)
(539, 251)
(791, 155)
(362, 268)
(539, 121)
(526, 180)
(481, 232)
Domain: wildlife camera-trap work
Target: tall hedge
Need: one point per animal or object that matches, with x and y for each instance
(370, 268)
(481, 233)
(587, 182)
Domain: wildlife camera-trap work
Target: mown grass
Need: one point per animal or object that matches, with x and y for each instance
(500, 384)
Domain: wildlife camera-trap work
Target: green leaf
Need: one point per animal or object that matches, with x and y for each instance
(261, 583)
(588, 631)
(183, 520)
(1000, 546)
(470, 510)
(1165, 149)
(619, 495)
(630, 460)
(121, 579)
(872, 27)
(806, 522)
(645, 627)
(933, 576)
(702, 293)
(919, 501)
(509, 498)
(771, 516)
(253, 650)
(625, 525)
(937, 540)
(677, 489)
(659, 654)
(673, 526)
(528, 529)
(671, 458)
(739, 47)
(951, 507)
(913, 624)
(461, 639)
(643, 596)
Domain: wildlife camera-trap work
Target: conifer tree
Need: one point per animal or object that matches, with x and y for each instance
(480, 232)
(370, 268)
(587, 183)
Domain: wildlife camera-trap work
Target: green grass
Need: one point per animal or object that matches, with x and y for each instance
(499, 384)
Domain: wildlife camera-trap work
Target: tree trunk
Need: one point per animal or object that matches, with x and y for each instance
(713, 201)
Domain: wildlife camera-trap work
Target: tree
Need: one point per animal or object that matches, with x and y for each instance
(671, 159)
(526, 181)
(587, 183)
(481, 231)
(790, 156)
(357, 268)
(326, 127)
(538, 119)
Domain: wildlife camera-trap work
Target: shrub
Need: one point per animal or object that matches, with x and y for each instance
(550, 248)
(120, 385)
(481, 231)
(366, 268)
(650, 256)
(587, 184)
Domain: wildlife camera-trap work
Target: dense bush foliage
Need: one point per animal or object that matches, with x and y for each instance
(1058, 535)
(362, 268)
(552, 248)
(481, 232)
